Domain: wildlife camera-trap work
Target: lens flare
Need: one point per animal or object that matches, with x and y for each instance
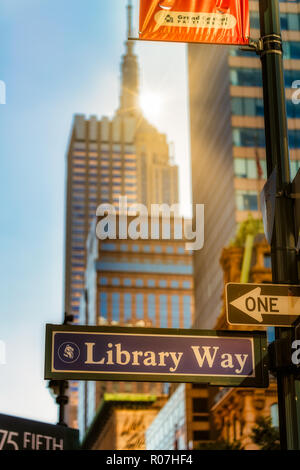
(150, 104)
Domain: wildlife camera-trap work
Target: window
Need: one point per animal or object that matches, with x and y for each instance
(245, 77)
(291, 50)
(267, 261)
(139, 282)
(151, 283)
(116, 307)
(79, 146)
(254, 20)
(115, 281)
(175, 311)
(200, 405)
(187, 317)
(200, 418)
(174, 284)
(127, 307)
(158, 266)
(270, 334)
(248, 107)
(103, 304)
(103, 281)
(252, 76)
(78, 265)
(78, 198)
(78, 230)
(289, 21)
(151, 308)
(295, 164)
(77, 291)
(163, 306)
(127, 282)
(128, 387)
(248, 137)
(140, 306)
(246, 200)
(200, 435)
(247, 168)
(162, 283)
(108, 246)
(186, 284)
(274, 415)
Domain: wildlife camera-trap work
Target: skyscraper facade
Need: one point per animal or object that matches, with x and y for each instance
(227, 144)
(142, 282)
(107, 158)
(183, 423)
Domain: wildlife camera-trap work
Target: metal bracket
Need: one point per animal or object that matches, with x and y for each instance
(255, 45)
(265, 45)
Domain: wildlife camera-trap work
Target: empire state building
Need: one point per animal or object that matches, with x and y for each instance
(108, 158)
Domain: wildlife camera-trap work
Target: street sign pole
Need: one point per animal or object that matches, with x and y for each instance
(283, 250)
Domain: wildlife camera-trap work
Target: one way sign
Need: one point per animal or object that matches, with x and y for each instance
(262, 304)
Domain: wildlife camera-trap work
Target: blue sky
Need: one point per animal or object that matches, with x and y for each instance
(57, 58)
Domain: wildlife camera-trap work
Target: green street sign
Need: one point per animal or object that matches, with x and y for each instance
(262, 304)
(225, 358)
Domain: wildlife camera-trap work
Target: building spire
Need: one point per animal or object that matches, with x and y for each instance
(129, 72)
(129, 24)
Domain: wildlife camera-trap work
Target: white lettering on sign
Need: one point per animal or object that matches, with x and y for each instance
(8, 439)
(204, 355)
(11, 440)
(41, 442)
(136, 358)
(227, 359)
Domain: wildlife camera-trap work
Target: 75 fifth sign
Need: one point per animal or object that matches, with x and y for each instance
(152, 354)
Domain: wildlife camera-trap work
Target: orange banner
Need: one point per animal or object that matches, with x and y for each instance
(206, 21)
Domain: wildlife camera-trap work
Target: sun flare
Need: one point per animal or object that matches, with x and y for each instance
(151, 104)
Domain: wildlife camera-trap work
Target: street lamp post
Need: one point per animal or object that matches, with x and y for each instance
(58, 388)
(283, 247)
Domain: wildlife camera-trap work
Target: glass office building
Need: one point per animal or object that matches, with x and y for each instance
(228, 144)
(183, 423)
